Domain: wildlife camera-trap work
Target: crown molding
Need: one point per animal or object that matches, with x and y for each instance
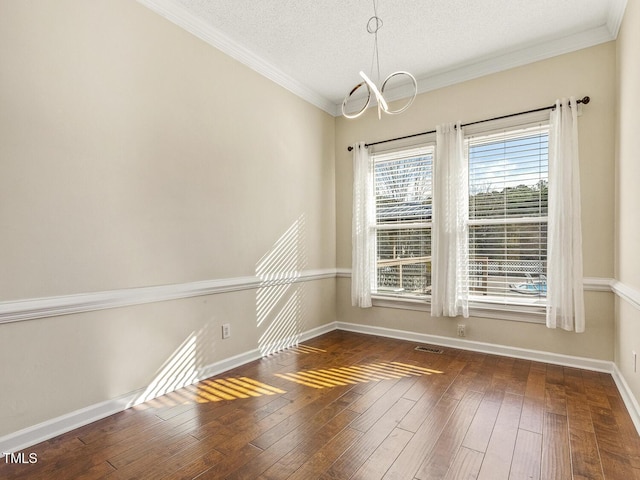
(179, 16)
(616, 14)
(516, 58)
(534, 52)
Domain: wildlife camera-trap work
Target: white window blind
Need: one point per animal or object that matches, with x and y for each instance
(403, 222)
(508, 191)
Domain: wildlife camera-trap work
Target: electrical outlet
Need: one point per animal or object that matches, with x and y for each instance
(226, 330)
(462, 331)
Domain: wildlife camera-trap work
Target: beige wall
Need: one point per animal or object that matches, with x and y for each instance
(586, 72)
(627, 337)
(133, 154)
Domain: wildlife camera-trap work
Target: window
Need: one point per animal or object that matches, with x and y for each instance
(508, 191)
(507, 227)
(403, 222)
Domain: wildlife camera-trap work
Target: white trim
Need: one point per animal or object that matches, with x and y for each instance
(33, 308)
(626, 292)
(497, 63)
(17, 441)
(27, 437)
(590, 284)
(517, 313)
(627, 396)
(180, 16)
(14, 442)
(343, 273)
(494, 349)
(516, 58)
(616, 14)
(605, 366)
(597, 284)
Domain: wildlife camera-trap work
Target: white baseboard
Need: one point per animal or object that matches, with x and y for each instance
(627, 397)
(17, 441)
(27, 437)
(536, 355)
(14, 442)
(502, 350)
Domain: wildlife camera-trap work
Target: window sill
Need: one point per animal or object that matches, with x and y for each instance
(518, 313)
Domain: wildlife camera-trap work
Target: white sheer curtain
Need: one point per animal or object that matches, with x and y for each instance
(565, 303)
(362, 231)
(449, 242)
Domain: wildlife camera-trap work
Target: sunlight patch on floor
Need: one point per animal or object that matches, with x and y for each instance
(340, 376)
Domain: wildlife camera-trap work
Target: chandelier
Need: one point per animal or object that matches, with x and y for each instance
(373, 25)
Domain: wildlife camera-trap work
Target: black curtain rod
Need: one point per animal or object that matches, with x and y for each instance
(583, 100)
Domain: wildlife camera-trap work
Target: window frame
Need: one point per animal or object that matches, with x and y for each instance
(426, 148)
(516, 132)
(478, 309)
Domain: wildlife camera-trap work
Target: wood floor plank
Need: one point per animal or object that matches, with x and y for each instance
(479, 432)
(462, 383)
(441, 457)
(532, 415)
(490, 370)
(628, 434)
(468, 416)
(425, 404)
(585, 458)
(555, 396)
(534, 398)
(316, 412)
(309, 445)
(526, 456)
(616, 464)
(327, 455)
(594, 390)
(497, 460)
(188, 464)
(231, 463)
(372, 414)
(358, 453)
(466, 465)
(306, 426)
(518, 376)
(556, 456)
(422, 441)
(383, 457)
(373, 395)
(148, 454)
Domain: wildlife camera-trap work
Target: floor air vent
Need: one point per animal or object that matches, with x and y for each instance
(421, 348)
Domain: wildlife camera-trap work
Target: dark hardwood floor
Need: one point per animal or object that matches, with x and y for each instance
(345, 405)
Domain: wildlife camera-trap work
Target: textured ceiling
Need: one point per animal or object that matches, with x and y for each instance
(316, 48)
